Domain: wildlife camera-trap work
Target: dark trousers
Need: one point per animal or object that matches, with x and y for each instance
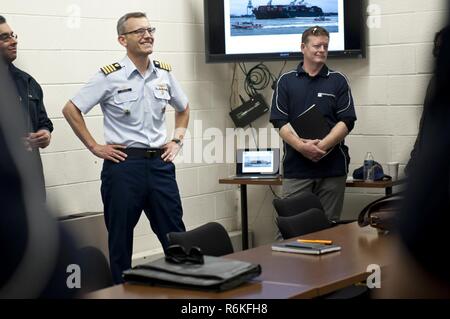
(128, 188)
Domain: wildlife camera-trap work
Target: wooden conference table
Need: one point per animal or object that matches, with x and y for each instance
(287, 275)
(387, 185)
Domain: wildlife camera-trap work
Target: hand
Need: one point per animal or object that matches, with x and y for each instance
(322, 146)
(110, 152)
(27, 144)
(171, 150)
(39, 139)
(311, 151)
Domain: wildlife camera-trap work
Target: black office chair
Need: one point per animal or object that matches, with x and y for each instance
(296, 204)
(303, 214)
(212, 238)
(95, 271)
(305, 222)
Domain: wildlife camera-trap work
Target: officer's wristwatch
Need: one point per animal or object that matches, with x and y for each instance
(178, 141)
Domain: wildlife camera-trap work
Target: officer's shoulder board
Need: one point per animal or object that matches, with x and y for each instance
(111, 68)
(162, 65)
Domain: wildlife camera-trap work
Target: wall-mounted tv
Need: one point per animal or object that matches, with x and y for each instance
(260, 30)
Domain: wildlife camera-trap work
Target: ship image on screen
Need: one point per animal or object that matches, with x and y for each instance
(257, 162)
(262, 26)
(259, 17)
(270, 30)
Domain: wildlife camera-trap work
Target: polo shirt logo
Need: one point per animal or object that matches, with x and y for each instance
(325, 94)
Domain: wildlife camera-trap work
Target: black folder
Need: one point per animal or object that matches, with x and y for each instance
(311, 124)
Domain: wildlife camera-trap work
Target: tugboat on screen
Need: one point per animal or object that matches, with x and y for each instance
(246, 25)
(291, 10)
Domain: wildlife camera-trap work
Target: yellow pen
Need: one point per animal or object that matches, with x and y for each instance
(315, 241)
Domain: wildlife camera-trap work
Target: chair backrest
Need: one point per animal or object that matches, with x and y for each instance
(296, 204)
(212, 238)
(306, 222)
(95, 271)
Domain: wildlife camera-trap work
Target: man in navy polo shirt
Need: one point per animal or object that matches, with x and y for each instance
(319, 166)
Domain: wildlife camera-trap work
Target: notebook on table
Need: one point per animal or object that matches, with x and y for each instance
(305, 248)
(257, 163)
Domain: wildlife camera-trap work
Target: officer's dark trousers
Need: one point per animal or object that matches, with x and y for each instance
(128, 188)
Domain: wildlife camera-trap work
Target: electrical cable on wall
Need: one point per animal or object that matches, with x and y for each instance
(273, 192)
(234, 90)
(257, 78)
(279, 74)
(254, 137)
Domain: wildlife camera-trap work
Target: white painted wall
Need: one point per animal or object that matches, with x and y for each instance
(63, 51)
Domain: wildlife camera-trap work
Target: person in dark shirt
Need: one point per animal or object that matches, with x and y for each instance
(420, 267)
(426, 104)
(35, 250)
(319, 166)
(38, 127)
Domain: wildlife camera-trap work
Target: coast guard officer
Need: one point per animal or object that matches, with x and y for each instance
(138, 173)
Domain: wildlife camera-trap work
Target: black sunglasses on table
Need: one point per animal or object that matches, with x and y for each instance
(177, 254)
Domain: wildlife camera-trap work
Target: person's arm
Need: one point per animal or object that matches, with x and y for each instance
(279, 117)
(171, 149)
(336, 135)
(345, 115)
(308, 148)
(76, 121)
(42, 137)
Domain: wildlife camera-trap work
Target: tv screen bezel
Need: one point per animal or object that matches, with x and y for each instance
(215, 36)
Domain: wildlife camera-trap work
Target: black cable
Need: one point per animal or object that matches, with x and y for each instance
(273, 192)
(257, 78)
(282, 69)
(253, 134)
(233, 80)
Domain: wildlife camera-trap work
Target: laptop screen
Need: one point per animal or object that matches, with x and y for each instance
(257, 162)
(264, 161)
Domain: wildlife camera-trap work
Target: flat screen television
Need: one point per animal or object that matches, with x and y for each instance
(262, 30)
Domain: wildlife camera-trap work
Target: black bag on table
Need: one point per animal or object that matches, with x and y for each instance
(216, 273)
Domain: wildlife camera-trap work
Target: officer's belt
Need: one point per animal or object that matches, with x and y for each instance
(143, 152)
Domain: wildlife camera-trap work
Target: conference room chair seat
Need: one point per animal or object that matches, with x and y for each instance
(95, 270)
(294, 205)
(304, 214)
(212, 238)
(305, 222)
(304, 202)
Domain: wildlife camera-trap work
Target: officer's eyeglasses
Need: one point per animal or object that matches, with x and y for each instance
(141, 32)
(177, 254)
(6, 36)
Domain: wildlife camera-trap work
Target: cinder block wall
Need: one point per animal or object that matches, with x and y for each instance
(388, 87)
(63, 43)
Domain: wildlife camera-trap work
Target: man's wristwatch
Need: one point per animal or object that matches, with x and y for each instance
(178, 141)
